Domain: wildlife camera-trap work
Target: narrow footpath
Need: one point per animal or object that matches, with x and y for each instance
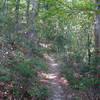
(53, 79)
(55, 88)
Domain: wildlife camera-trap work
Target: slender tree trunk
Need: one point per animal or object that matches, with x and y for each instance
(15, 35)
(17, 11)
(97, 43)
(89, 52)
(5, 7)
(34, 9)
(3, 10)
(27, 11)
(97, 33)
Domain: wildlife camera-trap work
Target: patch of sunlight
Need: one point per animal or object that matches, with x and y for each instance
(46, 56)
(46, 76)
(49, 58)
(63, 81)
(42, 75)
(51, 76)
(54, 64)
(45, 45)
(69, 0)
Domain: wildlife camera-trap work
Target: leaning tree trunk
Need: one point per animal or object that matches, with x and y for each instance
(97, 33)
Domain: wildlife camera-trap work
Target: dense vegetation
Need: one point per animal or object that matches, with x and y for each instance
(31, 28)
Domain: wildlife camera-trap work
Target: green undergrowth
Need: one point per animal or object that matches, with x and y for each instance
(20, 72)
(81, 83)
(81, 75)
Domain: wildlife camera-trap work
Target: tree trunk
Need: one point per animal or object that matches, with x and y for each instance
(89, 52)
(97, 33)
(5, 7)
(97, 43)
(34, 10)
(17, 11)
(27, 11)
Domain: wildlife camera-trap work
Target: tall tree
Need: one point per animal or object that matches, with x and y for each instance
(27, 11)
(97, 32)
(17, 10)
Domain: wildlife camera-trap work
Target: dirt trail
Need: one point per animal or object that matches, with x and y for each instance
(54, 80)
(55, 88)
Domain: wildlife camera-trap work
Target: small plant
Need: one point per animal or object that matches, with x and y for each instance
(39, 92)
(5, 78)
